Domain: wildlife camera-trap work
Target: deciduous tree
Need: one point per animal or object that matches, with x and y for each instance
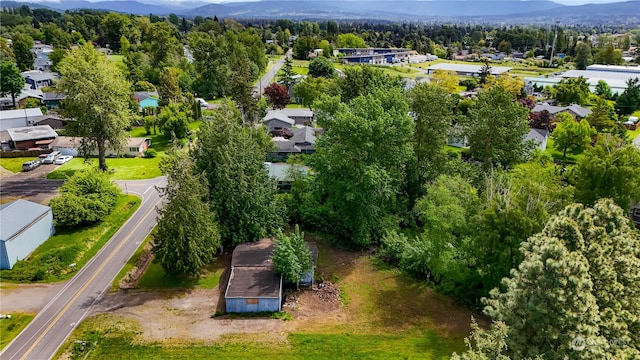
(608, 170)
(22, 45)
(571, 91)
(322, 67)
(100, 107)
(359, 161)
(446, 80)
(277, 95)
(496, 127)
(573, 136)
(11, 82)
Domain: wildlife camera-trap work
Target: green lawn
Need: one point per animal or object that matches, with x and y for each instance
(121, 168)
(50, 261)
(557, 155)
(14, 164)
(125, 168)
(385, 315)
(156, 278)
(116, 58)
(10, 328)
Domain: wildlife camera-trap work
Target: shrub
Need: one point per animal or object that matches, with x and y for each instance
(150, 153)
(87, 197)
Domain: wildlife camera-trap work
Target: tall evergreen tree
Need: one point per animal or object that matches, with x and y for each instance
(187, 234)
(240, 190)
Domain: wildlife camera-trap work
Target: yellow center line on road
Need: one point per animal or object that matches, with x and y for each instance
(84, 287)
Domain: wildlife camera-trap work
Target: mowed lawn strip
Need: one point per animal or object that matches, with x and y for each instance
(50, 261)
(10, 328)
(15, 164)
(386, 315)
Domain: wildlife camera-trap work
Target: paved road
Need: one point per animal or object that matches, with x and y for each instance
(32, 189)
(54, 323)
(268, 78)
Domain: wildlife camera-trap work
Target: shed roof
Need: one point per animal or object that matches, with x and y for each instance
(253, 254)
(20, 113)
(253, 282)
(17, 216)
(32, 133)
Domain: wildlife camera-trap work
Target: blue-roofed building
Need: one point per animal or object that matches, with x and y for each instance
(24, 225)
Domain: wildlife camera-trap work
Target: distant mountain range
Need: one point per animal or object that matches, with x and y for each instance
(410, 10)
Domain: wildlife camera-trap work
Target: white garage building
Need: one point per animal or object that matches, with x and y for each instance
(24, 225)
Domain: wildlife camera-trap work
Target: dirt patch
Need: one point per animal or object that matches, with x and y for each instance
(26, 297)
(4, 173)
(130, 280)
(172, 317)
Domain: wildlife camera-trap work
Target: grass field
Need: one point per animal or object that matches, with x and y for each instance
(121, 168)
(384, 315)
(50, 261)
(132, 261)
(10, 328)
(156, 278)
(14, 164)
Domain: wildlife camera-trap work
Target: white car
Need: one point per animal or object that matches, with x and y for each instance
(62, 159)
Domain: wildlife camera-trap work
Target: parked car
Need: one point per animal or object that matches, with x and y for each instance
(51, 157)
(202, 102)
(62, 159)
(30, 165)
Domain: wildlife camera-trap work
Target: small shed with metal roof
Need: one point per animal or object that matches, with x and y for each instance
(24, 225)
(253, 284)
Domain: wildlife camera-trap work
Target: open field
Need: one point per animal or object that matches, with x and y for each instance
(50, 261)
(10, 328)
(379, 314)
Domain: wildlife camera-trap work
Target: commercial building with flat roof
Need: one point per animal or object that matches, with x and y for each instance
(466, 69)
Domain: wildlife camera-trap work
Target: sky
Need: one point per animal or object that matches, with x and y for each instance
(563, 2)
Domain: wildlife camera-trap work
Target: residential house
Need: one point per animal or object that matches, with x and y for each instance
(68, 145)
(374, 55)
(302, 142)
(280, 172)
(253, 285)
(37, 78)
(41, 56)
(6, 102)
(29, 137)
(52, 100)
(576, 111)
(539, 138)
(277, 120)
(56, 122)
(24, 225)
(18, 118)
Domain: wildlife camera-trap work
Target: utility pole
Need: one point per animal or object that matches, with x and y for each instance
(553, 45)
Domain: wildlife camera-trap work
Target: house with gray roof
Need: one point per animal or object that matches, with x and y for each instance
(24, 225)
(578, 112)
(28, 137)
(302, 142)
(277, 120)
(37, 79)
(539, 138)
(299, 116)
